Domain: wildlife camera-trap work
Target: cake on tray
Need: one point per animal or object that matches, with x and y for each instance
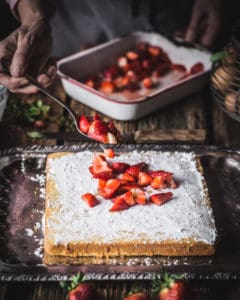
(183, 226)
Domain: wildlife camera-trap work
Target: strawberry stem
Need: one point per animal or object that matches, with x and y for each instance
(75, 281)
(164, 281)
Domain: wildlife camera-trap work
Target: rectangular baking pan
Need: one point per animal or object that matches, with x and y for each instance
(22, 181)
(75, 68)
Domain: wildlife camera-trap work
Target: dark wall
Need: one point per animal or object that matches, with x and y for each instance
(7, 21)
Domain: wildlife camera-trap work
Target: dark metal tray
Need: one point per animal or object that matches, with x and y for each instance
(22, 180)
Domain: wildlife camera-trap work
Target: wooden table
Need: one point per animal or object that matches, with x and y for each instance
(196, 119)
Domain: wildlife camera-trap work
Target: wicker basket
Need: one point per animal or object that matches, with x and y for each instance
(225, 78)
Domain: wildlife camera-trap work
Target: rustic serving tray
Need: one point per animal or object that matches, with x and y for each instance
(22, 180)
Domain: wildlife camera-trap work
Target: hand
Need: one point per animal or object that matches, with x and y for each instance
(26, 51)
(206, 23)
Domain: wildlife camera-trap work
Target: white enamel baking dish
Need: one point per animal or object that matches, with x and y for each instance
(77, 67)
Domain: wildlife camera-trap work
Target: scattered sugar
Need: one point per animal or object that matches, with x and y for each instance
(29, 231)
(186, 216)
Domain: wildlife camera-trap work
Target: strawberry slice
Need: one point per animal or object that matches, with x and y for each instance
(129, 186)
(107, 87)
(159, 173)
(197, 68)
(109, 189)
(90, 199)
(131, 55)
(139, 196)
(100, 168)
(135, 169)
(170, 182)
(154, 50)
(161, 198)
(113, 130)
(84, 124)
(127, 197)
(98, 131)
(110, 73)
(119, 167)
(144, 179)
(109, 153)
(119, 205)
(159, 182)
(147, 83)
(122, 61)
(178, 67)
(128, 177)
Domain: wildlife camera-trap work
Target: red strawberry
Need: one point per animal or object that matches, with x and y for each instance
(131, 55)
(128, 177)
(135, 169)
(127, 197)
(144, 179)
(139, 196)
(154, 50)
(122, 61)
(137, 296)
(110, 188)
(113, 130)
(90, 199)
(107, 87)
(197, 68)
(80, 290)
(159, 182)
(109, 153)
(159, 173)
(129, 186)
(170, 182)
(161, 198)
(162, 69)
(84, 124)
(118, 205)
(100, 168)
(172, 288)
(147, 83)
(111, 73)
(178, 67)
(119, 167)
(98, 131)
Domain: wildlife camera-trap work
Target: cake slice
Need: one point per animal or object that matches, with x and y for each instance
(183, 226)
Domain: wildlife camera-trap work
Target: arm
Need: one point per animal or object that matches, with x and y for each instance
(26, 50)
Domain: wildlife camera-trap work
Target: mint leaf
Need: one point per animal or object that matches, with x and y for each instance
(35, 135)
(218, 56)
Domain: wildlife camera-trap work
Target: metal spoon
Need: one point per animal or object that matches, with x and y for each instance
(51, 96)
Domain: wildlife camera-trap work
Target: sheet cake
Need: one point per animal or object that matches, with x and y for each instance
(182, 227)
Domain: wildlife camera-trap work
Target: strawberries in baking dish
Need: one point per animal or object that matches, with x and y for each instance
(99, 130)
(128, 185)
(138, 68)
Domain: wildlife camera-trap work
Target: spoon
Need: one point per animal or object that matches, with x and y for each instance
(45, 91)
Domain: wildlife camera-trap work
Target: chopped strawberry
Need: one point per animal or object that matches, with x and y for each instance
(139, 295)
(147, 65)
(122, 61)
(100, 168)
(98, 131)
(128, 177)
(139, 196)
(90, 199)
(97, 117)
(107, 87)
(84, 124)
(109, 153)
(119, 167)
(197, 68)
(129, 186)
(161, 198)
(118, 205)
(147, 83)
(127, 197)
(131, 55)
(110, 188)
(170, 182)
(162, 69)
(144, 179)
(133, 86)
(159, 173)
(101, 184)
(132, 76)
(159, 182)
(135, 169)
(178, 67)
(110, 73)
(113, 129)
(154, 50)
(90, 83)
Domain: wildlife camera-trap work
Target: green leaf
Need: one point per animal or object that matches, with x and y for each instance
(218, 56)
(35, 135)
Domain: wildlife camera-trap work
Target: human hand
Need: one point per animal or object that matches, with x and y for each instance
(26, 51)
(206, 23)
